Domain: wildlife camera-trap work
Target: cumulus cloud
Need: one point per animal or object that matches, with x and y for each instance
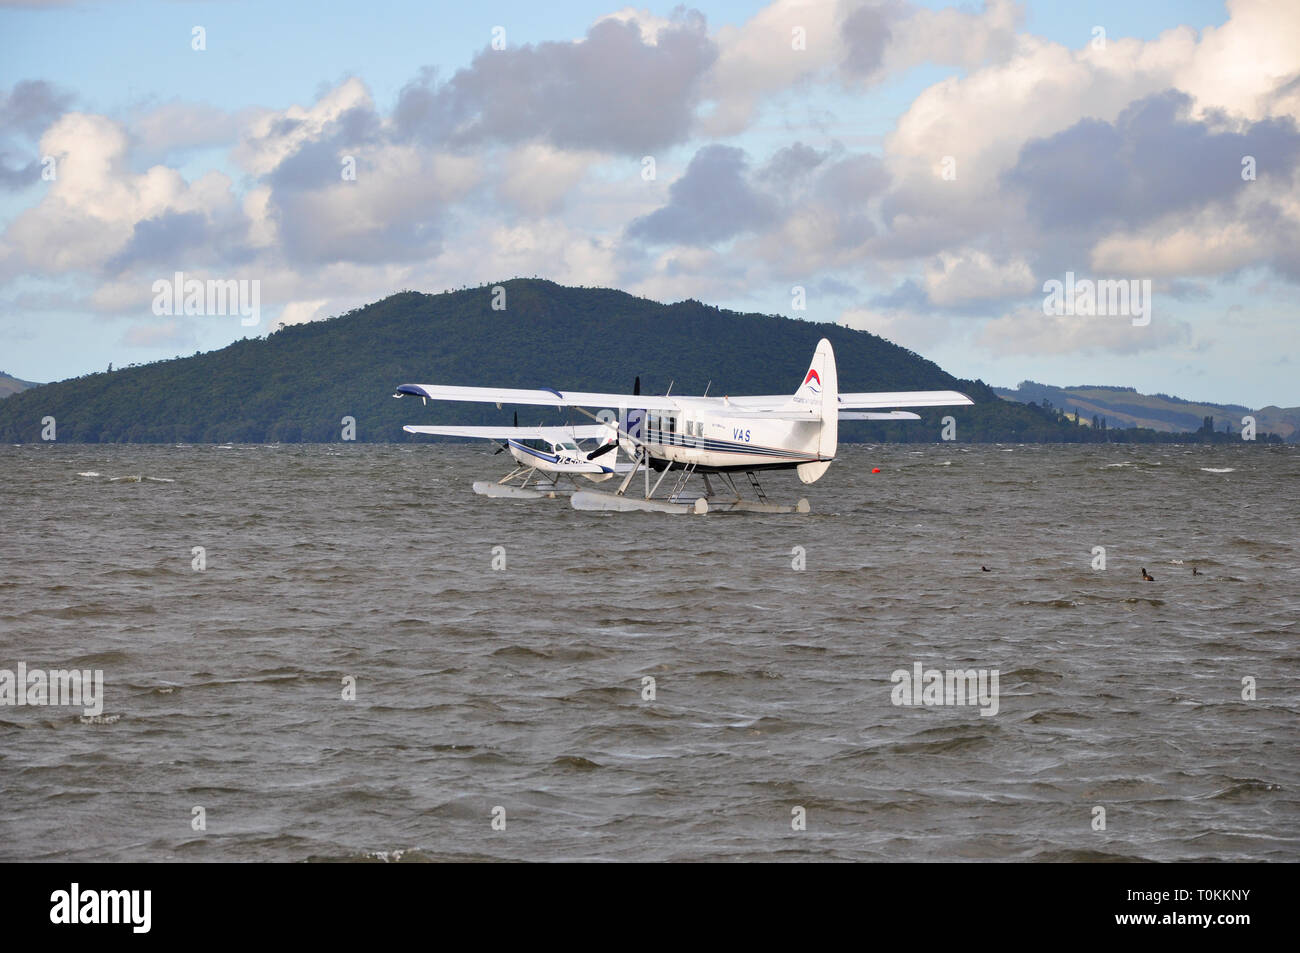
(827, 219)
(26, 111)
(1248, 65)
(1060, 159)
(171, 335)
(612, 92)
(919, 332)
(274, 136)
(648, 23)
(158, 239)
(791, 44)
(301, 312)
(761, 58)
(392, 211)
(801, 212)
(91, 211)
(1034, 333)
(711, 202)
(1192, 249)
(866, 33)
(954, 36)
(31, 105)
(536, 178)
(1152, 160)
(971, 275)
(177, 126)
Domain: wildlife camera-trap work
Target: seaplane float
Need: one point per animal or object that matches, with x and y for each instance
(713, 438)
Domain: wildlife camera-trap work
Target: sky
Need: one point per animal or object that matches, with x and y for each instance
(921, 170)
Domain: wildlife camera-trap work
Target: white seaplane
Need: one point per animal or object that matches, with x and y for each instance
(708, 436)
(542, 453)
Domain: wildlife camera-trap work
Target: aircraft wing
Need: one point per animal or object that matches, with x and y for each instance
(553, 434)
(544, 398)
(773, 406)
(777, 405)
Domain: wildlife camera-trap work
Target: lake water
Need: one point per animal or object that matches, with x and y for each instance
(518, 694)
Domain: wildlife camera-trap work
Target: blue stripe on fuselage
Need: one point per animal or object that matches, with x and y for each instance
(549, 458)
(714, 445)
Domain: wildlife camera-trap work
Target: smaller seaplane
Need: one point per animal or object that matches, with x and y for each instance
(544, 455)
(714, 438)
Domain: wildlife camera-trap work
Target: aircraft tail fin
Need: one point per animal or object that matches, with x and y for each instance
(821, 388)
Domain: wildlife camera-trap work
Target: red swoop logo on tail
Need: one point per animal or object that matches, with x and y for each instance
(813, 376)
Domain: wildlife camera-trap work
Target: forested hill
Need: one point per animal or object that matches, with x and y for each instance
(298, 383)
(1125, 407)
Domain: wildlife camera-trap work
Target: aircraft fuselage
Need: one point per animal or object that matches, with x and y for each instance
(725, 444)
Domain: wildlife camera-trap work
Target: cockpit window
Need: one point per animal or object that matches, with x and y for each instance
(568, 445)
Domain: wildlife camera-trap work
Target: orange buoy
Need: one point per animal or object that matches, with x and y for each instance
(875, 469)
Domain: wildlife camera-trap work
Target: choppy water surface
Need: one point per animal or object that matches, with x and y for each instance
(522, 688)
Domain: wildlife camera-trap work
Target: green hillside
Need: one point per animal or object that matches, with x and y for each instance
(298, 383)
(12, 385)
(1125, 407)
